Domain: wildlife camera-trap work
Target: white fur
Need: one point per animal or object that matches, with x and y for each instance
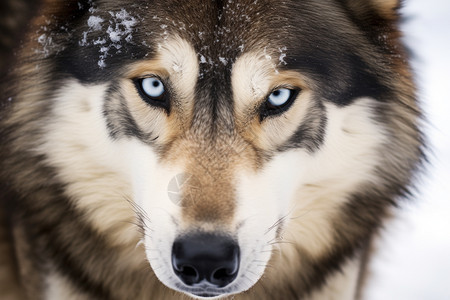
(101, 174)
(179, 58)
(306, 189)
(251, 78)
(89, 161)
(59, 288)
(150, 182)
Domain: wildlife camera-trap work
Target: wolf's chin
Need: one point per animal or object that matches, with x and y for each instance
(208, 294)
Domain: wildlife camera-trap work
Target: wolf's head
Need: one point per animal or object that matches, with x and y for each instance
(249, 137)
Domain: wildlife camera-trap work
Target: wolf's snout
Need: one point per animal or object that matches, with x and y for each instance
(206, 257)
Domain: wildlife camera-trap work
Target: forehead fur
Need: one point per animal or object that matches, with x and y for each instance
(96, 40)
(92, 40)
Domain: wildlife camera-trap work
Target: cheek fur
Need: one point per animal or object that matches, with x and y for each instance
(304, 191)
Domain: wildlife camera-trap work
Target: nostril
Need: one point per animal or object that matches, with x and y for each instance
(188, 274)
(224, 275)
(221, 277)
(189, 271)
(221, 273)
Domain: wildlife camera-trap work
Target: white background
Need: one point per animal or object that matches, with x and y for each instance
(413, 260)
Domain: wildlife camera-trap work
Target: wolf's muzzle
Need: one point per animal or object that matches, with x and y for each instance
(206, 258)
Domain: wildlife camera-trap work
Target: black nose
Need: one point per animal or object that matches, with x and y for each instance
(205, 256)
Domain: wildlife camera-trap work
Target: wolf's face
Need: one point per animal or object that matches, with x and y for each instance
(239, 135)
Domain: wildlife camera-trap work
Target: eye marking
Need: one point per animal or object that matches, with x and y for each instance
(153, 91)
(278, 101)
(152, 87)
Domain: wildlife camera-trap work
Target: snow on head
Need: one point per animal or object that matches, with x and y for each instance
(223, 60)
(48, 42)
(282, 56)
(118, 30)
(121, 26)
(45, 41)
(95, 23)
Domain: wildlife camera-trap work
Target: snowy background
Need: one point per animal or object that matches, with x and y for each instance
(413, 261)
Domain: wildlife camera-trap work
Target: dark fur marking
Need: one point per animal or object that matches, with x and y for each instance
(311, 133)
(119, 120)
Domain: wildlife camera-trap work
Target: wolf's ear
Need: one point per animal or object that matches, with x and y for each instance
(378, 19)
(367, 9)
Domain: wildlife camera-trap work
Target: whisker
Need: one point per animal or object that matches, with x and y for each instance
(264, 251)
(302, 215)
(276, 224)
(281, 242)
(281, 220)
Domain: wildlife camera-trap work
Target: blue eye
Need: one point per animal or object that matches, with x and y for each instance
(153, 88)
(153, 91)
(280, 97)
(278, 102)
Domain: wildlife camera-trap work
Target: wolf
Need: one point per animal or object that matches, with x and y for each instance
(241, 149)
